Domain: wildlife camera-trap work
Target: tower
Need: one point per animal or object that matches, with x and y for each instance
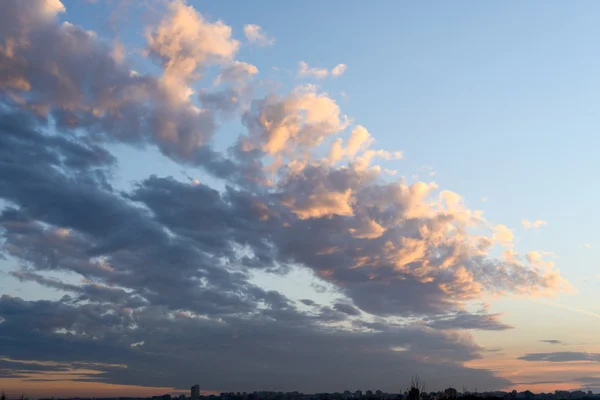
(195, 395)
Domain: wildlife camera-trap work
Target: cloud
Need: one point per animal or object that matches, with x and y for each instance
(237, 72)
(346, 309)
(103, 324)
(164, 268)
(465, 320)
(107, 100)
(552, 341)
(339, 70)
(295, 123)
(125, 251)
(503, 235)
(184, 42)
(589, 382)
(360, 139)
(234, 339)
(228, 101)
(533, 224)
(256, 35)
(564, 356)
(304, 70)
(412, 263)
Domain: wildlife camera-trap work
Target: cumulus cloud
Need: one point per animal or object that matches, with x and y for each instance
(256, 35)
(137, 290)
(533, 224)
(184, 43)
(431, 254)
(131, 264)
(236, 91)
(503, 235)
(360, 139)
(237, 72)
(292, 124)
(105, 98)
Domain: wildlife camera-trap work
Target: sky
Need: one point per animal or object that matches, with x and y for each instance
(311, 196)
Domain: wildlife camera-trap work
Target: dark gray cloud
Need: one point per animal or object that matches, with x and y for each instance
(346, 309)
(466, 320)
(552, 341)
(593, 380)
(548, 382)
(589, 383)
(69, 221)
(20, 369)
(227, 102)
(258, 352)
(562, 356)
(169, 275)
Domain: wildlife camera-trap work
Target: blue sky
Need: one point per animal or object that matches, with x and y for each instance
(495, 102)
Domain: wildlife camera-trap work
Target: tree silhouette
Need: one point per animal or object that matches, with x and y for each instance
(3, 396)
(450, 394)
(417, 386)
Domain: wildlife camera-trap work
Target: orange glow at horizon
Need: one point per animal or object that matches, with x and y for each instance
(65, 384)
(544, 376)
(551, 376)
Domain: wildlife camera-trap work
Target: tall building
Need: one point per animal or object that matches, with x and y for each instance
(195, 395)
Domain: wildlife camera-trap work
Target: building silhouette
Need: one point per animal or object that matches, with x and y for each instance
(195, 392)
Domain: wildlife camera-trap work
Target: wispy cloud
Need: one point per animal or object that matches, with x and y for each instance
(538, 223)
(563, 356)
(304, 70)
(338, 70)
(552, 341)
(256, 35)
(570, 308)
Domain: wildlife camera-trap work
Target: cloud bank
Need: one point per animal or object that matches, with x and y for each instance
(163, 270)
